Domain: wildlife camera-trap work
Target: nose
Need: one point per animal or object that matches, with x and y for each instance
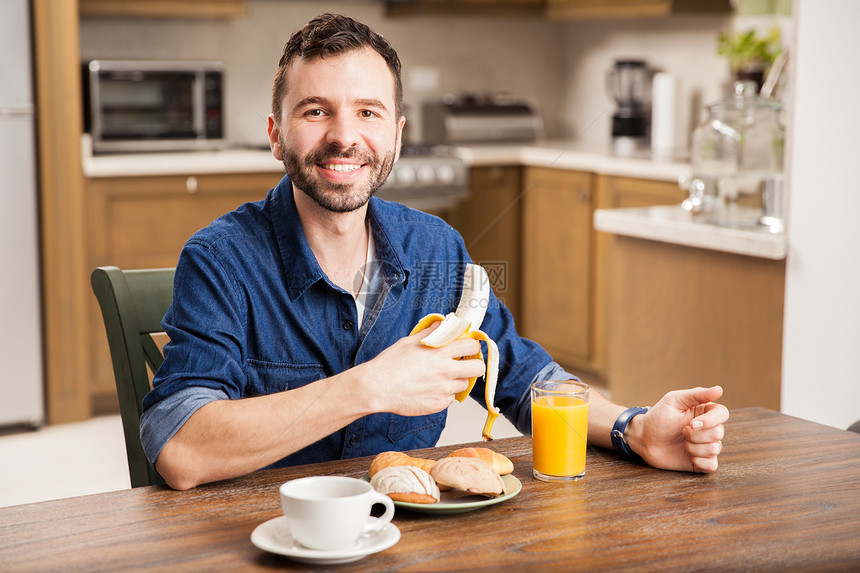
(343, 131)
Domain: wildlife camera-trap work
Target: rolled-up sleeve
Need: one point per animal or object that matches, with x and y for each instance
(162, 420)
(203, 358)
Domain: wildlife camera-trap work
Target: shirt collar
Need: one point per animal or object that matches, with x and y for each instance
(300, 265)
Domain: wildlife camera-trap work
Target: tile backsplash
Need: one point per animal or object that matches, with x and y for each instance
(558, 65)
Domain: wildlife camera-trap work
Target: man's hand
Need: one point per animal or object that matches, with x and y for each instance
(411, 379)
(682, 432)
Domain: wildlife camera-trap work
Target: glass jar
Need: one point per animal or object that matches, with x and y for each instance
(737, 162)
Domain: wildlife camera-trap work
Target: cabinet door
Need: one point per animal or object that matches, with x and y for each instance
(557, 277)
(614, 192)
(164, 8)
(143, 222)
(624, 192)
(463, 7)
(490, 223)
(589, 9)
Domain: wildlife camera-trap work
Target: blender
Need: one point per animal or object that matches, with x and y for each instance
(628, 82)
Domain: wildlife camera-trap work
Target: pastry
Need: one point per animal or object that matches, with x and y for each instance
(389, 459)
(497, 461)
(468, 475)
(406, 483)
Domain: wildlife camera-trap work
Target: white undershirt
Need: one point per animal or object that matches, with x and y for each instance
(366, 274)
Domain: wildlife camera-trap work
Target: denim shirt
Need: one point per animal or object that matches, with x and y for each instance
(253, 314)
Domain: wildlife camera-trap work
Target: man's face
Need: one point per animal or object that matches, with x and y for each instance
(339, 135)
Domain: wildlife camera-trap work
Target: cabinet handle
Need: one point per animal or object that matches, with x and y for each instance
(191, 184)
(584, 195)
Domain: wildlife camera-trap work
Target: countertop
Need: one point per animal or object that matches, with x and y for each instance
(572, 155)
(668, 224)
(671, 224)
(558, 154)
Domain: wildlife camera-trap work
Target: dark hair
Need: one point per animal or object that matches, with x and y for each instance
(329, 34)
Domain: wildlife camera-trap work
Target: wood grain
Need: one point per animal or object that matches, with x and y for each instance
(556, 281)
(65, 279)
(786, 498)
(143, 222)
(490, 224)
(682, 316)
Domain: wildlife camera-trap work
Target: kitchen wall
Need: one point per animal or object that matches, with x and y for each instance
(560, 66)
(490, 54)
(682, 46)
(821, 341)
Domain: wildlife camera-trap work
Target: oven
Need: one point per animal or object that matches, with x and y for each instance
(138, 106)
(429, 178)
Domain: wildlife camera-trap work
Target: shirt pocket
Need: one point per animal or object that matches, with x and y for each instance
(420, 431)
(270, 377)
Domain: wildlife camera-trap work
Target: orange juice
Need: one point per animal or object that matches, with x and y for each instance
(559, 430)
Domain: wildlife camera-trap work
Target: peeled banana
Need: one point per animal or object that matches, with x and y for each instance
(465, 322)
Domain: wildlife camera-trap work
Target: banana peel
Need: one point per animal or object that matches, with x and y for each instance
(465, 323)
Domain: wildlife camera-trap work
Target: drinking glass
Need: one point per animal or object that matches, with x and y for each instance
(559, 429)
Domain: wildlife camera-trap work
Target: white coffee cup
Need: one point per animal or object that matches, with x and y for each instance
(332, 512)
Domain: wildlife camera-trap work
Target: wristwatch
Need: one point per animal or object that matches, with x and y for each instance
(619, 442)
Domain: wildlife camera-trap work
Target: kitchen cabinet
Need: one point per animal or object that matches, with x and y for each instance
(614, 192)
(593, 9)
(490, 223)
(558, 9)
(143, 222)
(685, 316)
(567, 264)
(464, 7)
(557, 280)
(164, 8)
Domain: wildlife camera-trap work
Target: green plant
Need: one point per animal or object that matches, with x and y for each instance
(748, 50)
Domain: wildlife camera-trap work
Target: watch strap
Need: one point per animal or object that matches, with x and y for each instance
(619, 442)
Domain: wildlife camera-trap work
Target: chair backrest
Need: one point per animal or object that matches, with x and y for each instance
(133, 303)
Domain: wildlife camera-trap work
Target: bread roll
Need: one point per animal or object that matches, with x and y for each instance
(406, 483)
(469, 475)
(497, 461)
(390, 459)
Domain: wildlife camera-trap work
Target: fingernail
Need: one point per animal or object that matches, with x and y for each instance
(696, 424)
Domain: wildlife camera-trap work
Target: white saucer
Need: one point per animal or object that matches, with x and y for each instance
(275, 537)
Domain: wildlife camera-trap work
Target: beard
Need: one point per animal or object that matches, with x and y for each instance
(336, 197)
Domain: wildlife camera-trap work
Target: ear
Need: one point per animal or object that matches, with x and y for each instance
(399, 138)
(274, 138)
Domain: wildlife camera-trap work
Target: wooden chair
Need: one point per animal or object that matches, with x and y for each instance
(133, 303)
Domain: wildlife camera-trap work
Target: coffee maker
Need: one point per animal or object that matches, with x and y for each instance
(629, 82)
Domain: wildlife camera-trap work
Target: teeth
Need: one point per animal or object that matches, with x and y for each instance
(342, 167)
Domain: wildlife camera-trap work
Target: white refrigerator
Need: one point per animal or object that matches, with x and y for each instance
(21, 363)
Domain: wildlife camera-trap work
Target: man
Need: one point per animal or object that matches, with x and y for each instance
(282, 354)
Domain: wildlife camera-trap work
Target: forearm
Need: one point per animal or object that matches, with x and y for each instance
(601, 416)
(229, 438)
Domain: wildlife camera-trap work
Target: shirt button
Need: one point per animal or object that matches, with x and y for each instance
(347, 325)
(353, 440)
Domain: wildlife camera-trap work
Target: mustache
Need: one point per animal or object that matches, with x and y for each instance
(321, 155)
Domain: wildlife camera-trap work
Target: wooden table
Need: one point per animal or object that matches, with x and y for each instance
(786, 498)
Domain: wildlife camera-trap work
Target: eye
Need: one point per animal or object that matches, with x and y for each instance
(316, 112)
(367, 114)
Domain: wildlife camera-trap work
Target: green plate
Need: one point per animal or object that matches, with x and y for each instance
(449, 503)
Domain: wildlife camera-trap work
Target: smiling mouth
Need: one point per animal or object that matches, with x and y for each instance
(342, 167)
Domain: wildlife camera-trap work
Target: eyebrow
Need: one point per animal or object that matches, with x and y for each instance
(319, 100)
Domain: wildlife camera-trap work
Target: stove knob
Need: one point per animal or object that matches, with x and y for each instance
(426, 175)
(445, 174)
(405, 175)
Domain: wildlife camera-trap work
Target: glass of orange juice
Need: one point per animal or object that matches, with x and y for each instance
(559, 429)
